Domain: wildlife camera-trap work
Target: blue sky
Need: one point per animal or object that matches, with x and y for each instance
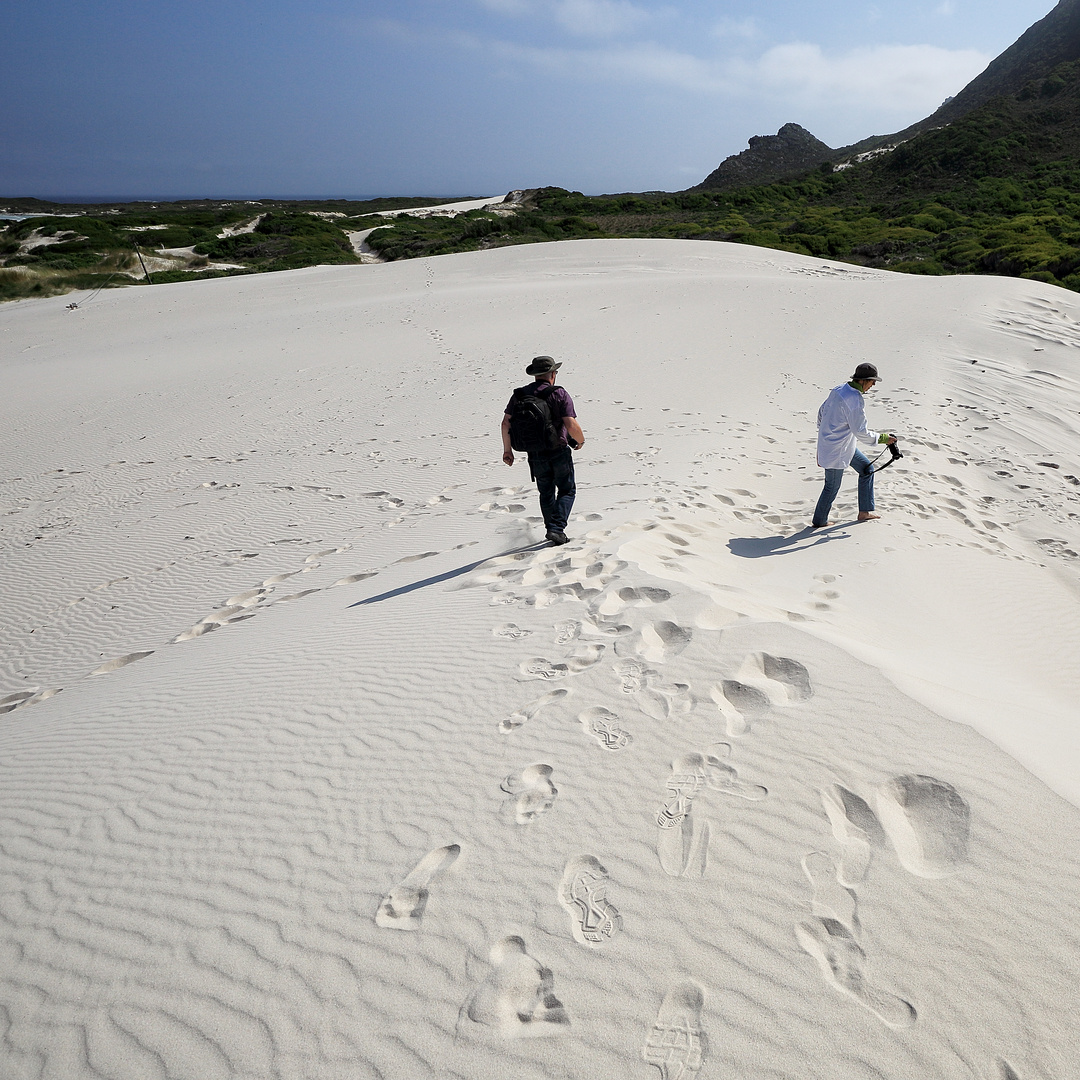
(345, 98)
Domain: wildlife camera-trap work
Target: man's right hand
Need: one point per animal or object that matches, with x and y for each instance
(890, 440)
(508, 457)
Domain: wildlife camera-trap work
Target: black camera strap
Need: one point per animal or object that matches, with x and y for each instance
(894, 455)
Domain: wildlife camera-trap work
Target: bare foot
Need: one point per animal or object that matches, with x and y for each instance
(813, 526)
(865, 516)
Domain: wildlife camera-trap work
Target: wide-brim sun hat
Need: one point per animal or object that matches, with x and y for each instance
(541, 365)
(866, 371)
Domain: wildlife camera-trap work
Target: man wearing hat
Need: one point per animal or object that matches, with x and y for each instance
(842, 420)
(552, 468)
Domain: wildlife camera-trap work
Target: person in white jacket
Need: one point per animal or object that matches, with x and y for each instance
(842, 421)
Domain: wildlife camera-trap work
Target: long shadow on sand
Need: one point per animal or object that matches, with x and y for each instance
(447, 576)
(758, 547)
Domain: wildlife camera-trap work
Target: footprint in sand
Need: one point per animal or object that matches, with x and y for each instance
(527, 712)
(841, 961)
(830, 899)
(13, 701)
(739, 704)
(791, 675)
(748, 700)
(683, 845)
(677, 1045)
(583, 892)
(688, 774)
(121, 661)
(584, 657)
(592, 627)
(277, 579)
(402, 908)
(26, 697)
(660, 641)
(417, 558)
(603, 725)
(725, 779)
(633, 675)
(510, 630)
(247, 599)
(855, 827)
(661, 699)
(539, 668)
(295, 596)
(565, 632)
(352, 579)
(928, 822)
(643, 595)
(517, 998)
(215, 620)
(534, 791)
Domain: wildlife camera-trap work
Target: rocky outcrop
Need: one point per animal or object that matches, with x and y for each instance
(790, 152)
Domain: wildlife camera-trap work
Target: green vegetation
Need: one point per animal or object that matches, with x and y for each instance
(995, 192)
(64, 247)
(410, 237)
(283, 240)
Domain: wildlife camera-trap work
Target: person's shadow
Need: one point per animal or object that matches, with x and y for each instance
(449, 575)
(758, 547)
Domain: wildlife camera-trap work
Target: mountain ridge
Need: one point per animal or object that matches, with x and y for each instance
(1052, 41)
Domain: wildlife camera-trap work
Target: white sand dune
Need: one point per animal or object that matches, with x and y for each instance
(701, 792)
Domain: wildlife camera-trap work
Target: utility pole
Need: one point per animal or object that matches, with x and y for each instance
(138, 251)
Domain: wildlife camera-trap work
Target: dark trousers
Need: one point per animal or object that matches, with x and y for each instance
(554, 476)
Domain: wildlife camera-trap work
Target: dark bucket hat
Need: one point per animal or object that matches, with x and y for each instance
(866, 371)
(541, 365)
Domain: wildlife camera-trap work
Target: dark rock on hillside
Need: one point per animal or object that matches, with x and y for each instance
(790, 152)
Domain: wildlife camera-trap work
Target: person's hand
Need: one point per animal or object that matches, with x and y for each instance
(508, 457)
(890, 440)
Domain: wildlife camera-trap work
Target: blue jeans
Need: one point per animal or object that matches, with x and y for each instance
(861, 464)
(554, 476)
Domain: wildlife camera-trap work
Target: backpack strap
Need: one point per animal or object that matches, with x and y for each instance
(534, 390)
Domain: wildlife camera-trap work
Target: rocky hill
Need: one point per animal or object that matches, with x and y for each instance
(790, 152)
(1044, 47)
(1052, 41)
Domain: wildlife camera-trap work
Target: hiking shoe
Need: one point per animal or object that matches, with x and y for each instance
(557, 536)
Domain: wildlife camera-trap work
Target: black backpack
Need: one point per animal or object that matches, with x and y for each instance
(533, 427)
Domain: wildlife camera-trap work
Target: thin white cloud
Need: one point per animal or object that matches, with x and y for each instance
(599, 18)
(890, 77)
(945, 9)
(735, 28)
(582, 18)
(621, 63)
(507, 7)
(894, 78)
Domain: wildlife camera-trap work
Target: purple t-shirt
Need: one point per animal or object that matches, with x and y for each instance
(562, 405)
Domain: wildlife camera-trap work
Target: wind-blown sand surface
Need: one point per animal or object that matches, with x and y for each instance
(351, 778)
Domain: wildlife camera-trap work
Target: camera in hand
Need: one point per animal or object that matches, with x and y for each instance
(894, 449)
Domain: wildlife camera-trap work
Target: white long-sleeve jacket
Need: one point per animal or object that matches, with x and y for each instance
(841, 420)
